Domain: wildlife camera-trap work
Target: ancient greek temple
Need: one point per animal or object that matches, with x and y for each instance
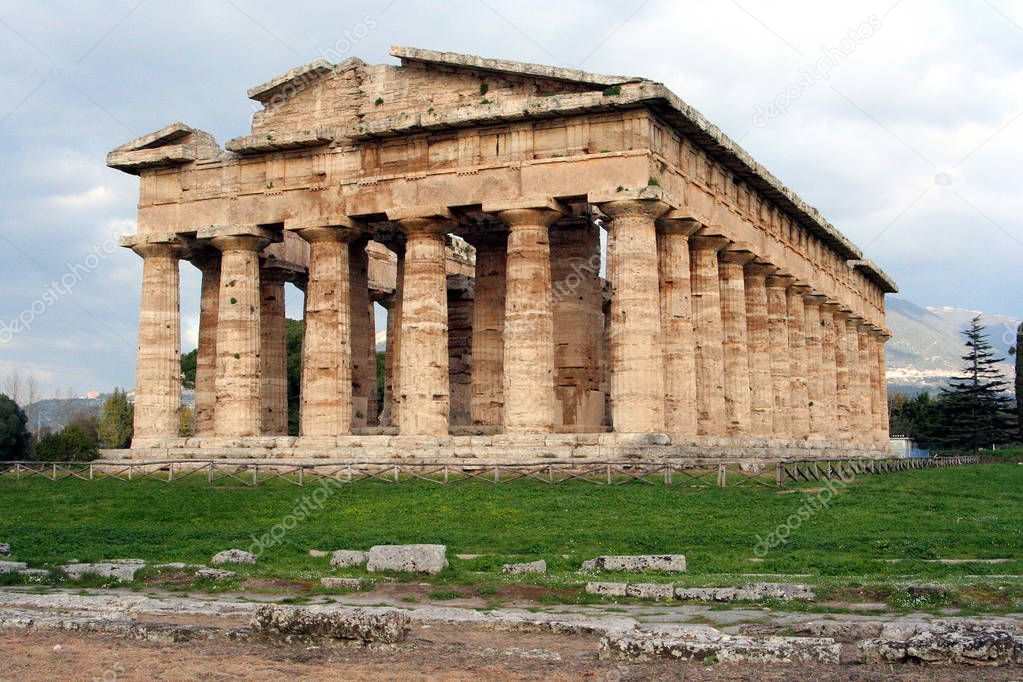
(573, 265)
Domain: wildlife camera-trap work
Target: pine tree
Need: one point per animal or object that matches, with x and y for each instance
(1015, 350)
(975, 407)
(115, 423)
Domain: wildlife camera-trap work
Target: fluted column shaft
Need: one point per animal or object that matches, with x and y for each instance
(239, 370)
(364, 383)
(829, 372)
(735, 339)
(759, 341)
(707, 325)
(799, 405)
(528, 322)
(868, 398)
(423, 361)
(856, 392)
(873, 368)
(158, 364)
(326, 408)
(677, 325)
(273, 355)
(487, 381)
(843, 393)
(637, 371)
(778, 331)
(819, 417)
(392, 359)
(206, 358)
(882, 423)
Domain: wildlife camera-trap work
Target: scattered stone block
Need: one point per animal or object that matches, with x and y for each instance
(669, 563)
(364, 625)
(956, 643)
(650, 591)
(697, 644)
(344, 558)
(926, 590)
(214, 574)
(34, 572)
(123, 570)
(840, 630)
(233, 556)
(12, 566)
(318, 553)
(5, 549)
(430, 559)
(528, 567)
(607, 589)
(343, 583)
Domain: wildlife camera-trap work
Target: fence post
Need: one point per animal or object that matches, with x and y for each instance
(445, 474)
(209, 473)
(722, 476)
(497, 473)
(779, 474)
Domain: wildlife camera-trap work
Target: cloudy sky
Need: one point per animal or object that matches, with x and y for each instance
(900, 121)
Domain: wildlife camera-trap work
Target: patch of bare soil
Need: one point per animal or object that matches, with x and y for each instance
(275, 585)
(438, 652)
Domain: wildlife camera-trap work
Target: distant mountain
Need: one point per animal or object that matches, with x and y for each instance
(927, 343)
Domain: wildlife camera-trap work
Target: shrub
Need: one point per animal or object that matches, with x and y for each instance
(14, 436)
(115, 423)
(73, 444)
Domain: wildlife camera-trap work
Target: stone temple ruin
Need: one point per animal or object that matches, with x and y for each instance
(468, 197)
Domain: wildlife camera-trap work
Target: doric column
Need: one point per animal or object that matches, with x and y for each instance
(883, 426)
(273, 353)
(829, 370)
(873, 372)
(487, 406)
(819, 417)
(326, 408)
(735, 339)
(799, 405)
(372, 408)
(208, 262)
(528, 316)
(778, 330)
(158, 364)
(856, 389)
(239, 370)
(709, 333)
(865, 367)
(425, 403)
(637, 370)
(843, 393)
(392, 356)
(762, 406)
(673, 232)
(364, 374)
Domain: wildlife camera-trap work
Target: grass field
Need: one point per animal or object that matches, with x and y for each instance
(877, 530)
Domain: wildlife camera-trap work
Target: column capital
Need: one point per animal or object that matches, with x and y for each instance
(543, 211)
(324, 228)
(681, 221)
(240, 242)
(760, 268)
(431, 220)
(739, 253)
(709, 239)
(651, 202)
(781, 279)
(815, 298)
(167, 244)
(830, 305)
(865, 327)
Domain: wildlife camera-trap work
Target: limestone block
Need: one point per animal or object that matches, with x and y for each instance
(607, 589)
(344, 558)
(430, 559)
(5, 549)
(686, 644)
(529, 567)
(12, 566)
(958, 644)
(669, 563)
(233, 556)
(214, 574)
(123, 570)
(360, 624)
(343, 583)
(650, 591)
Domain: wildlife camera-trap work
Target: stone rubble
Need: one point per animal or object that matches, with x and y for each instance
(658, 591)
(668, 563)
(345, 558)
(12, 566)
(429, 559)
(360, 624)
(698, 643)
(528, 567)
(959, 643)
(123, 570)
(233, 556)
(205, 573)
(5, 549)
(343, 583)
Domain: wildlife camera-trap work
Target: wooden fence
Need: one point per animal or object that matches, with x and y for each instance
(218, 473)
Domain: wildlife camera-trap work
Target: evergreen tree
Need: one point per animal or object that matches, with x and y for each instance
(116, 421)
(189, 362)
(976, 409)
(14, 436)
(1016, 350)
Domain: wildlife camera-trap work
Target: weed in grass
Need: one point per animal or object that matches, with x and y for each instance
(444, 595)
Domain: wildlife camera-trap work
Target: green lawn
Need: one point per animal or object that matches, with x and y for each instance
(969, 512)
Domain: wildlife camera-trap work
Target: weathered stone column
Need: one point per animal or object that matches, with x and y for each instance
(799, 405)
(158, 365)
(709, 332)
(364, 374)
(487, 406)
(577, 298)
(843, 392)
(829, 370)
(637, 370)
(873, 372)
(425, 403)
(678, 340)
(239, 337)
(759, 340)
(273, 353)
(460, 310)
(857, 392)
(865, 367)
(735, 340)
(326, 408)
(528, 316)
(883, 426)
(392, 359)
(819, 418)
(372, 407)
(208, 262)
(778, 330)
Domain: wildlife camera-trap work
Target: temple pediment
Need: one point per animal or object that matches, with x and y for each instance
(171, 145)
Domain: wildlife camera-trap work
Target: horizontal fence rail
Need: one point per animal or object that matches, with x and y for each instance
(226, 474)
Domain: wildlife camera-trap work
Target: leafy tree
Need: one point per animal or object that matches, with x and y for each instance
(14, 435)
(186, 421)
(116, 421)
(915, 417)
(189, 362)
(976, 410)
(73, 444)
